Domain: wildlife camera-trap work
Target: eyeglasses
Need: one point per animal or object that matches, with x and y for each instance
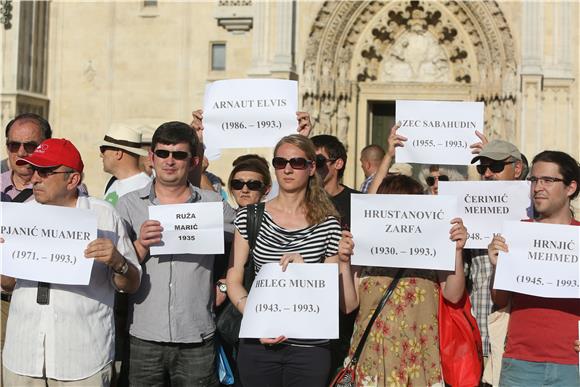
(547, 181)
(321, 161)
(177, 155)
(494, 167)
(431, 179)
(253, 185)
(295, 162)
(14, 146)
(46, 172)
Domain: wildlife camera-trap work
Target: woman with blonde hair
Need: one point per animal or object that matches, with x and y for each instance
(300, 225)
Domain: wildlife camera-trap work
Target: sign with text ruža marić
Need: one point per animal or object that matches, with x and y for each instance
(542, 260)
(410, 231)
(190, 228)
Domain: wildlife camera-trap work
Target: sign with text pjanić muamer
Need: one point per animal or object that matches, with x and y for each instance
(484, 204)
(410, 231)
(542, 260)
(438, 132)
(190, 228)
(249, 113)
(47, 243)
(300, 303)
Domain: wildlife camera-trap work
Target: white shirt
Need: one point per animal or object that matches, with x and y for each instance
(124, 186)
(73, 336)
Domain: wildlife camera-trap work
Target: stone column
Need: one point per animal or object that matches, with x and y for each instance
(261, 40)
(283, 60)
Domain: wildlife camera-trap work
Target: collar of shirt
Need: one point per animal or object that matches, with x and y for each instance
(148, 192)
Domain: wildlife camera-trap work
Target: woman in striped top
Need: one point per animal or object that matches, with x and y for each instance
(300, 225)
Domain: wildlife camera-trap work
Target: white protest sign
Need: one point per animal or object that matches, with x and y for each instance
(47, 243)
(248, 113)
(542, 260)
(410, 231)
(300, 303)
(484, 204)
(190, 228)
(438, 132)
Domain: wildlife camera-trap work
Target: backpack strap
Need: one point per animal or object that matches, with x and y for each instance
(255, 216)
(23, 195)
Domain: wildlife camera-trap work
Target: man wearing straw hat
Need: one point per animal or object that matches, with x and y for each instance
(120, 151)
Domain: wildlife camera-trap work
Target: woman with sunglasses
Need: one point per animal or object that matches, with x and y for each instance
(403, 346)
(433, 174)
(300, 225)
(249, 180)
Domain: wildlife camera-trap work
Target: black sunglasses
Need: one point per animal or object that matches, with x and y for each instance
(14, 146)
(177, 155)
(431, 179)
(295, 163)
(321, 161)
(46, 171)
(494, 166)
(253, 185)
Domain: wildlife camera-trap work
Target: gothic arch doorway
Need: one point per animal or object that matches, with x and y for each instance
(360, 53)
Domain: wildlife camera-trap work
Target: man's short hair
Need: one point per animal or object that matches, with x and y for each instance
(333, 147)
(567, 166)
(373, 152)
(45, 129)
(175, 132)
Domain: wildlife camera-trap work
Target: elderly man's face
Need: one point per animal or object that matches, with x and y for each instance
(23, 137)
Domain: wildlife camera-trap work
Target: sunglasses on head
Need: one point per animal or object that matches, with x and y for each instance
(45, 172)
(295, 162)
(253, 185)
(494, 166)
(177, 155)
(431, 179)
(321, 161)
(14, 146)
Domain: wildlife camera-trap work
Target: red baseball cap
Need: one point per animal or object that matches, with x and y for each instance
(54, 152)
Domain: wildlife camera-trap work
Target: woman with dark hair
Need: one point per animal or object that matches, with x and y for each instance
(403, 346)
(300, 225)
(249, 180)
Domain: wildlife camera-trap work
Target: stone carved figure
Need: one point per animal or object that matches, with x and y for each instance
(342, 121)
(327, 108)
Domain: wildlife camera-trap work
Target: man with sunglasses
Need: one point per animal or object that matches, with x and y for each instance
(60, 332)
(171, 316)
(23, 134)
(542, 331)
(499, 161)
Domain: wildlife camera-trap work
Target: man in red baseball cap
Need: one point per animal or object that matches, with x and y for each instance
(35, 346)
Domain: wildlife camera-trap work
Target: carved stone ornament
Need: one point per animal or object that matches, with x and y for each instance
(430, 42)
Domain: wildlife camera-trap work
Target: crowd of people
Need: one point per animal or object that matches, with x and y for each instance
(150, 320)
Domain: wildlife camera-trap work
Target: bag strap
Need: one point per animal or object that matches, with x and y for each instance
(255, 216)
(382, 303)
(23, 195)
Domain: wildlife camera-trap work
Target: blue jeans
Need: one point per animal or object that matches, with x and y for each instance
(152, 363)
(516, 373)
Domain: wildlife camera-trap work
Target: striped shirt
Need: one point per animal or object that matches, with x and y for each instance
(314, 243)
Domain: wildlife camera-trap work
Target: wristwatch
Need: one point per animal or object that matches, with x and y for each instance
(124, 269)
(222, 287)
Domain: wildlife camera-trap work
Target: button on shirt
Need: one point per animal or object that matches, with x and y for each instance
(175, 301)
(73, 336)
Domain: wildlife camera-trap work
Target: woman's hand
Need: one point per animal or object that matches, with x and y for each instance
(270, 342)
(304, 124)
(395, 140)
(497, 244)
(458, 233)
(345, 246)
(477, 147)
(290, 258)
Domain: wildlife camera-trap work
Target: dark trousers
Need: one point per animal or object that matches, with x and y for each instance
(183, 365)
(283, 365)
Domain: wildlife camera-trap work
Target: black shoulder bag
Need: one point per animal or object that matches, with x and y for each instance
(229, 321)
(346, 376)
